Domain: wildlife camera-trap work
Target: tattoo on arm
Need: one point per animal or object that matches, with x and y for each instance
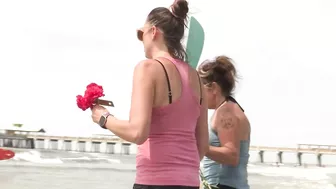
(227, 122)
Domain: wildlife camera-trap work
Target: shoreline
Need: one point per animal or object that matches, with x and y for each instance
(59, 158)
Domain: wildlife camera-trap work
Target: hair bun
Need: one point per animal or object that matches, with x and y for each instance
(180, 9)
(226, 63)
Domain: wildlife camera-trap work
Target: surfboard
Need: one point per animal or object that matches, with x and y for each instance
(6, 154)
(195, 42)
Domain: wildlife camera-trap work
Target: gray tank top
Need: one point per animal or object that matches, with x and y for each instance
(234, 176)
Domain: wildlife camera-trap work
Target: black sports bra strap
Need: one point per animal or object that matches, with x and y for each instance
(200, 83)
(235, 101)
(170, 97)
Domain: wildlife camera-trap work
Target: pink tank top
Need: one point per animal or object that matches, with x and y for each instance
(170, 155)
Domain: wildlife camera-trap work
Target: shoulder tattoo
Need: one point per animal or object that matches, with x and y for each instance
(227, 122)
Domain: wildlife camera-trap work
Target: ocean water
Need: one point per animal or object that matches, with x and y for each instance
(33, 169)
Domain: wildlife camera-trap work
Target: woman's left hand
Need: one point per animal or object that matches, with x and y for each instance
(97, 112)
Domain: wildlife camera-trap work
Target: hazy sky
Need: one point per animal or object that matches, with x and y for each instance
(285, 52)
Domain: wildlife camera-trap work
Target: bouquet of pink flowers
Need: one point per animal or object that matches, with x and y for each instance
(91, 97)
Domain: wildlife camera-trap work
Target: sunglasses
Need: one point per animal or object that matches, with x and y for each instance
(140, 34)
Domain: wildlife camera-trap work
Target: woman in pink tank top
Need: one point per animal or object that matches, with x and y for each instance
(168, 117)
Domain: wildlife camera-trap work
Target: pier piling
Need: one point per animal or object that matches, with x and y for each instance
(279, 155)
(319, 159)
(299, 158)
(81, 146)
(95, 147)
(110, 147)
(261, 156)
(67, 145)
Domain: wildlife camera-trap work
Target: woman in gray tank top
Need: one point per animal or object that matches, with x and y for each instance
(225, 165)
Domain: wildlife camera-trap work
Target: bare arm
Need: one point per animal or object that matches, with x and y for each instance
(137, 128)
(227, 128)
(202, 133)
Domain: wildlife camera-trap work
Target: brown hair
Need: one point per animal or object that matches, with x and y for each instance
(222, 71)
(172, 24)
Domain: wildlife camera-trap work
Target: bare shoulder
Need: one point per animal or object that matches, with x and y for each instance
(146, 69)
(225, 119)
(146, 65)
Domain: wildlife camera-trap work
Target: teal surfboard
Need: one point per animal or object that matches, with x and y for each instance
(195, 42)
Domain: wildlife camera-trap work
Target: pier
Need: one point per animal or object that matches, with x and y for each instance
(17, 138)
(315, 149)
(37, 139)
(97, 144)
(112, 144)
(16, 142)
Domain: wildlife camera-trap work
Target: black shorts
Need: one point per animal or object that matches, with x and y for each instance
(140, 186)
(224, 187)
